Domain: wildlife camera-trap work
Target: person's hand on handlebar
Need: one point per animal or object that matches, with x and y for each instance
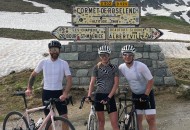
(105, 101)
(28, 92)
(88, 99)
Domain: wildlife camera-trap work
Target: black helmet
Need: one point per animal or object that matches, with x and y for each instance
(54, 44)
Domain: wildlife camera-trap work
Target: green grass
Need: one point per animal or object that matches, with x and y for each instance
(18, 6)
(180, 69)
(163, 22)
(24, 34)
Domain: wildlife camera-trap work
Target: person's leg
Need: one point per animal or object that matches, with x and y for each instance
(114, 120)
(64, 126)
(62, 110)
(139, 110)
(101, 120)
(151, 112)
(151, 119)
(139, 121)
(112, 111)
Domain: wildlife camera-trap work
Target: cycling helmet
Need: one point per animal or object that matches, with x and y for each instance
(104, 49)
(128, 49)
(54, 44)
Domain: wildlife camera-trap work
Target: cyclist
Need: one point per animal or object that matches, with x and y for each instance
(140, 81)
(106, 76)
(54, 70)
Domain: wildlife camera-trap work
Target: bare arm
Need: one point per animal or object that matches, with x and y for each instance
(67, 87)
(149, 86)
(91, 86)
(31, 83)
(115, 86)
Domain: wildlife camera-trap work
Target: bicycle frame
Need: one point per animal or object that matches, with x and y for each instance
(128, 115)
(92, 112)
(49, 116)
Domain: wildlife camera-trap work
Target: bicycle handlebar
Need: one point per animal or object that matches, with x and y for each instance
(67, 101)
(128, 99)
(19, 93)
(92, 101)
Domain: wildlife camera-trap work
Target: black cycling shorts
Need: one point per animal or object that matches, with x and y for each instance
(100, 107)
(145, 105)
(61, 107)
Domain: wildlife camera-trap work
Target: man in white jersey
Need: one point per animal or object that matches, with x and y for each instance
(140, 81)
(54, 70)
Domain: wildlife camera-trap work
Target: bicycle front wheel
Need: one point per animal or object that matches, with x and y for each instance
(92, 124)
(60, 124)
(15, 121)
(133, 124)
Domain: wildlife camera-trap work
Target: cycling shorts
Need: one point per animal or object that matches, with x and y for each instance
(100, 107)
(148, 107)
(60, 106)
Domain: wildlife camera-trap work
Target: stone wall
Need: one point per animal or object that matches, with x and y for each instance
(83, 56)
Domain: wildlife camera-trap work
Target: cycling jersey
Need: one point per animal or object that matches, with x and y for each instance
(137, 76)
(53, 73)
(105, 77)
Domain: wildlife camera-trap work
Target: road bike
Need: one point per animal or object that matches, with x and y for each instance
(127, 116)
(15, 120)
(92, 123)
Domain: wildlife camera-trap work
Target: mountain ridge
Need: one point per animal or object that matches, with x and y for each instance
(179, 9)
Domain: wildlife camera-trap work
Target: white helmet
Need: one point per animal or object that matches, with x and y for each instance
(128, 49)
(104, 49)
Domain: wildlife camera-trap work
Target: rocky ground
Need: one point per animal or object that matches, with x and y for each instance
(172, 113)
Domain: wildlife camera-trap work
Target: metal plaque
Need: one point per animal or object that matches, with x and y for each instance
(105, 15)
(79, 33)
(138, 33)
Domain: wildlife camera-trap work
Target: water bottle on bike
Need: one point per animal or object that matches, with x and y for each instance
(39, 122)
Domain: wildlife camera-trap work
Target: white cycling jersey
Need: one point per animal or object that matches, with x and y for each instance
(137, 76)
(53, 73)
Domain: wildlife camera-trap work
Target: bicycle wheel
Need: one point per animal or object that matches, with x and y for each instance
(15, 121)
(133, 123)
(92, 124)
(120, 110)
(60, 124)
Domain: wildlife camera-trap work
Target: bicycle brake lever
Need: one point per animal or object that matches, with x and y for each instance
(71, 100)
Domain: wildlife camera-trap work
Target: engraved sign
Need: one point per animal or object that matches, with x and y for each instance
(79, 33)
(105, 15)
(121, 3)
(139, 33)
(106, 3)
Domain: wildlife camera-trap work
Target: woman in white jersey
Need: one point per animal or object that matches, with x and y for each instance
(140, 81)
(54, 70)
(106, 76)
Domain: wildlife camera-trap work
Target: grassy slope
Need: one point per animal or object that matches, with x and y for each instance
(18, 81)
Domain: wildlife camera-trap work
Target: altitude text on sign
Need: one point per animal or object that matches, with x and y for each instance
(106, 15)
(106, 3)
(133, 33)
(79, 33)
(121, 3)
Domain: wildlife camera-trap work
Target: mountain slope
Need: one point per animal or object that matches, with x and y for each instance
(179, 9)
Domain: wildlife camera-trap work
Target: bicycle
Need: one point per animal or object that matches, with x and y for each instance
(92, 123)
(15, 120)
(127, 116)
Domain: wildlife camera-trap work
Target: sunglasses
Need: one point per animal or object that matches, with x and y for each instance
(54, 49)
(104, 55)
(128, 54)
